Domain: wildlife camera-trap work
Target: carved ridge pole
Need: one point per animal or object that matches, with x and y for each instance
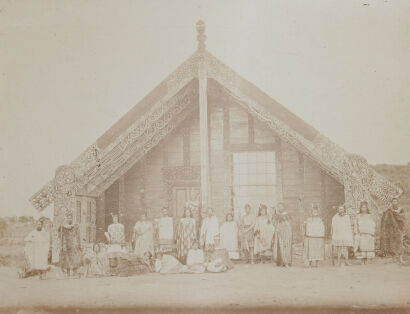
(203, 116)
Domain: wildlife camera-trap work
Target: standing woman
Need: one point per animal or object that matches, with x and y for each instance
(366, 228)
(186, 235)
(314, 242)
(342, 234)
(229, 236)
(247, 224)
(282, 241)
(143, 236)
(263, 232)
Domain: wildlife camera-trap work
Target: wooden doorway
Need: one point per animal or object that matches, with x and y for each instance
(184, 196)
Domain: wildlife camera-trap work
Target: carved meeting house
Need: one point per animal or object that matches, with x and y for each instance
(206, 137)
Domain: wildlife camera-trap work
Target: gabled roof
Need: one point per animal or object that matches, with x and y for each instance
(175, 99)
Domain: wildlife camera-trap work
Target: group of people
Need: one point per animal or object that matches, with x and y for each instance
(167, 246)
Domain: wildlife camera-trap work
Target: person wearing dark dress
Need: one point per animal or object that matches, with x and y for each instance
(71, 253)
(393, 228)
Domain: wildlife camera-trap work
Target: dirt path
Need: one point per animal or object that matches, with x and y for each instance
(373, 286)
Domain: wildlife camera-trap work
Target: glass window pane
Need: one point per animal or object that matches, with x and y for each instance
(270, 168)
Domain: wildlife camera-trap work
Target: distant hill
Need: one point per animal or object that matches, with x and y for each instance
(400, 175)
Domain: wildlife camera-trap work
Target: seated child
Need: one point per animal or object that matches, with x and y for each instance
(148, 261)
(195, 261)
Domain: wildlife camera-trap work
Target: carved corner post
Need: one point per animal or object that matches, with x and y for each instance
(203, 117)
(121, 198)
(65, 199)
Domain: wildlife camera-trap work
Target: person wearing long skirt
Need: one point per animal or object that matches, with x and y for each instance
(143, 237)
(229, 237)
(209, 236)
(186, 235)
(393, 229)
(71, 256)
(263, 231)
(37, 246)
(342, 234)
(116, 238)
(247, 225)
(282, 241)
(366, 229)
(314, 239)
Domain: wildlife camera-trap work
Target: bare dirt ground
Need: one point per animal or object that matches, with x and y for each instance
(380, 286)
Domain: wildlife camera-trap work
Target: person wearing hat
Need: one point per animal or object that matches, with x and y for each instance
(37, 245)
(314, 238)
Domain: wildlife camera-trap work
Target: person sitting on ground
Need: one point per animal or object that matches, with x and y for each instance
(36, 252)
(167, 264)
(195, 261)
(219, 261)
(148, 261)
(95, 262)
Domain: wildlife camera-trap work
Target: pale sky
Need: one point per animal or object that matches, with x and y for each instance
(70, 69)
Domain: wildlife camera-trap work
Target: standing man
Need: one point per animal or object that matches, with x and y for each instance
(36, 250)
(342, 234)
(209, 236)
(71, 253)
(393, 228)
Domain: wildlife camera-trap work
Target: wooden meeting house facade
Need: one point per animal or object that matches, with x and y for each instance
(205, 137)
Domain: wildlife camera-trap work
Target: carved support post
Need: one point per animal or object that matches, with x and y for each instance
(65, 200)
(204, 143)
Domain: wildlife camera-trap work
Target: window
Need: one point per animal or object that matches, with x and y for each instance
(89, 211)
(254, 180)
